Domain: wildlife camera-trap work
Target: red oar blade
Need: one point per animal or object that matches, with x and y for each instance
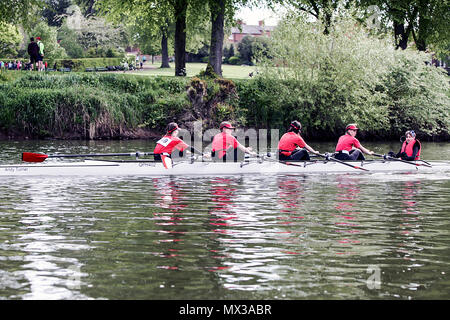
(33, 157)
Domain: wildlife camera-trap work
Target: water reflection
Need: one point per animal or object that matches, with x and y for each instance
(43, 272)
(347, 210)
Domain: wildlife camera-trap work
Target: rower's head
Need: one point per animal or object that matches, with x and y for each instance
(295, 127)
(410, 135)
(226, 126)
(172, 129)
(351, 129)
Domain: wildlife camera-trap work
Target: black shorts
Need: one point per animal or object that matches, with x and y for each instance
(33, 59)
(40, 58)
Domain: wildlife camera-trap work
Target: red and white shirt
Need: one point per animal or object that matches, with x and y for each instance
(167, 143)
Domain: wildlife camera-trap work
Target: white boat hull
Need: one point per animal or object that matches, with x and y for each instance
(141, 168)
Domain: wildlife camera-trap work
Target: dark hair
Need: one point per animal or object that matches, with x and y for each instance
(171, 127)
(295, 126)
(32, 39)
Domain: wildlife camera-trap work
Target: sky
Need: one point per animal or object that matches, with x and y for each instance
(252, 16)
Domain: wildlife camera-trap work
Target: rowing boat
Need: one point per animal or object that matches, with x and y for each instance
(90, 167)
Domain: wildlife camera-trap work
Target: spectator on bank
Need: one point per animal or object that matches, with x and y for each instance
(19, 65)
(41, 54)
(33, 51)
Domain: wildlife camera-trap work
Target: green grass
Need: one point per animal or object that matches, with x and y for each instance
(193, 69)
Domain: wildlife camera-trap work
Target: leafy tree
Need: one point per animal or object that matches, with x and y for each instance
(53, 11)
(95, 32)
(10, 39)
(320, 9)
(222, 10)
(425, 22)
(157, 17)
(69, 41)
(18, 10)
(245, 49)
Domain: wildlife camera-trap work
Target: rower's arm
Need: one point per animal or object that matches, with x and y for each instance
(246, 150)
(366, 151)
(193, 150)
(307, 147)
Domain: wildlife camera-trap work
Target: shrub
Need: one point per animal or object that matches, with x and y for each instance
(88, 105)
(234, 60)
(327, 81)
(82, 64)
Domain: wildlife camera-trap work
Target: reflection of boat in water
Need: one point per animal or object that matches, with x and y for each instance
(249, 166)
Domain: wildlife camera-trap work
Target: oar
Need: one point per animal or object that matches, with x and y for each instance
(39, 157)
(279, 161)
(341, 162)
(396, 159)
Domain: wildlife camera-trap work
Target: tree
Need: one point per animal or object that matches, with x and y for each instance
(10, 39)
(320, 9)
(95, 32)
(180, 9)
(426, 22)
(18, 11)
(69, 41)
(245, 49)
(53, 11)
(159, 15)
(220, 11)
(217, 8)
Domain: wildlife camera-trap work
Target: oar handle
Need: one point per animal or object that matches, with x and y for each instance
(401, 160)
(329, 157)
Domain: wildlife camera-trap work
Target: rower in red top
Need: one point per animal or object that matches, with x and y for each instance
(226, 147)
(410, 149)
(348, 147)
(292, 146)
(166, 145)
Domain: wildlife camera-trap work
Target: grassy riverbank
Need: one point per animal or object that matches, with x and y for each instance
(120, 106)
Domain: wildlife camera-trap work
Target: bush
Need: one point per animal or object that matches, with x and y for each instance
(328, 81)
(234, 60)
(88, 106)
(82, 64)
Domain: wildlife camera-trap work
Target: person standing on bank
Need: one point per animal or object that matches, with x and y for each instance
(348, 147)
(410, 149)
(33, 51)
(40, 54)
(292, 146)
(226, 147)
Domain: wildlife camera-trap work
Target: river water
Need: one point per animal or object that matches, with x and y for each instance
(366, 236)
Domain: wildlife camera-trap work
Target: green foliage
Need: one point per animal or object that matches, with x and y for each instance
(18, 11)
(88, 105)
(82, 64)
(234, 60)
(10, 39)
(69, 41)
(327, 81)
